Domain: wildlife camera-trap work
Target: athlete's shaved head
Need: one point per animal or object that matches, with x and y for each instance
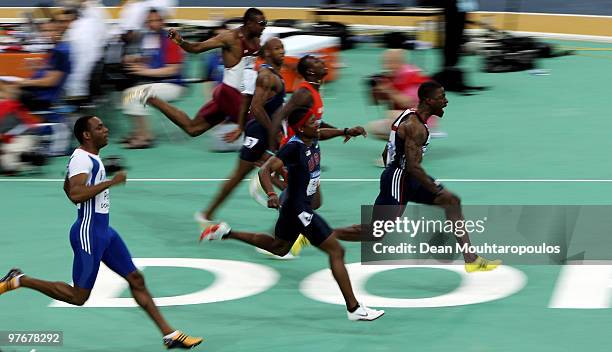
(251, 15)
(428, 89)
(311, 68)
(432, 95)
(274, 51)
(271, 42)
(302, 66)
(254, 22)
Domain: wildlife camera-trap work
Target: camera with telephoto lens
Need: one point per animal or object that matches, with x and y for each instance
(376, 79)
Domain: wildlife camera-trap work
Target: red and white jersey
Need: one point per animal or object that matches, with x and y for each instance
(316, 109)
(233, 76)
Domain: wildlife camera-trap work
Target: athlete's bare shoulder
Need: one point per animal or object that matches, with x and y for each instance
(231, 37)
(411, 128)
(265, 79)
(271, 79)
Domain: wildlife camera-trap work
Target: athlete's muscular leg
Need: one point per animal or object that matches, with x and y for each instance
(350, 233)
(334, 250)
(243, 169)
(193, 127)
(263, 241)
(364, 232)
(144, 300)
(60, 291)
(452, 208)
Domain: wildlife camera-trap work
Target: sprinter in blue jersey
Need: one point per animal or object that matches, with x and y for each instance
(301, 156)
(92, 239)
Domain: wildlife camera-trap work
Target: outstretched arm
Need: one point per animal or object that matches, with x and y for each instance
(326, 125)
(219, 41)
(165, 71)
(347, 133)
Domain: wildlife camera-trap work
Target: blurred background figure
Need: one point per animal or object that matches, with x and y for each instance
(396, 88)
(30, 129)
(161, 62)
(134, 13)
(45, 87)
(455, 17)
(89, 22)
(17, 148)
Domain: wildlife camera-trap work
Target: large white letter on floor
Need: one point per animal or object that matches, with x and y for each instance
(475, 288)
(233, 280)
(583, 286)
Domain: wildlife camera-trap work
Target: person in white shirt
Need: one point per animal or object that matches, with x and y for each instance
(85, 52)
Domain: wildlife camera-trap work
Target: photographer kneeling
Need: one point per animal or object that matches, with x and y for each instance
(396, 88)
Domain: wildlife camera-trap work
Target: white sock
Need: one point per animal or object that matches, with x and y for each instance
(171, 335)
(17, 279)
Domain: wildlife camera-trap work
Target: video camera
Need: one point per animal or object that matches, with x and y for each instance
(372, 82)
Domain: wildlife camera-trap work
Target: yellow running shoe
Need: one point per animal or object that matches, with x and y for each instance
(9, 281)
(287, 256)
(299, 243)
(482, 264)
(180, 340)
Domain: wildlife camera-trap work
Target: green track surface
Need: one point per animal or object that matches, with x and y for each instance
(524, 127)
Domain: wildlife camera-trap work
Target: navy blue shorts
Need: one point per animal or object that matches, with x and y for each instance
(255, 142)
(92, 245)
(398, 188)
(291, 223)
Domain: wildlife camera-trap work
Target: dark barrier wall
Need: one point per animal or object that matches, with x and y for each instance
(583, 7)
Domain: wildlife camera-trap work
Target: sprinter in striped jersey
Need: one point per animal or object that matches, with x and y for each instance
(404, 179)
(92, 239)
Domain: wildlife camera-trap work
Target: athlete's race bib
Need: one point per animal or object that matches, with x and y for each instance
(250, 142)
(305, 218)
(103, 202)
(313, 184)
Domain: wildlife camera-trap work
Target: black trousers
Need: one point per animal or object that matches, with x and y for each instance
(453, 33)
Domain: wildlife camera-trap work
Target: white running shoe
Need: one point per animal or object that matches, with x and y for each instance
(364, 313)
(215, 232)
(138, 94)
